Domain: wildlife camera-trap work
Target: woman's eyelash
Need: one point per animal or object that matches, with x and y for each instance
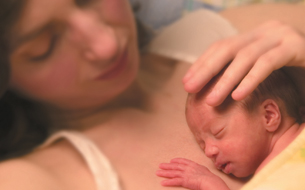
(82, 3)
(49, 51)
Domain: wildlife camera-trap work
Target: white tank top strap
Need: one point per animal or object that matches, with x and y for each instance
(104, 175)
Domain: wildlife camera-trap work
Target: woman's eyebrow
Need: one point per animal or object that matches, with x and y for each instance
(19, 40)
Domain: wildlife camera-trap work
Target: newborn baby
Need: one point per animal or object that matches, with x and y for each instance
(240, 137)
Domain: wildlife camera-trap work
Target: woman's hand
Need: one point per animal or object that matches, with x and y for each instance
(186, 173)
(252, 57)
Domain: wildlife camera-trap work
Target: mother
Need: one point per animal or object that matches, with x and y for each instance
(75, 65)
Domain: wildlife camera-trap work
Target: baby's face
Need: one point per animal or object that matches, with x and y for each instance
(232, 138)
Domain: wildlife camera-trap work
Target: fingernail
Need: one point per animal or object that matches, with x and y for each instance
(186, 77)
(211, 95)
(237, 94)
(210, 99)
(189, 86)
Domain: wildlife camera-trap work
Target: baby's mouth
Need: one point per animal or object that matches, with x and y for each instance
(221, 166)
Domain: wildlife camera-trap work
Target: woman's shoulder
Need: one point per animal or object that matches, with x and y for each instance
(21, 173)
(58, 166)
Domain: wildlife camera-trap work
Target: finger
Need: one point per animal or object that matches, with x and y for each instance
(182, 161)
(238, 69)
(175, 182)
(194, 67)
(186, 164)
(203, 76)
(205, 69)
(215, 62)
(172, 166)
(264, 66)
(168, 173)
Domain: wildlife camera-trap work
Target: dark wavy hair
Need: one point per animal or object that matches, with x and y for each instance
(23, 124)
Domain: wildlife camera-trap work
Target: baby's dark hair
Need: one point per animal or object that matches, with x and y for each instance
(281, 88)
(278, 86)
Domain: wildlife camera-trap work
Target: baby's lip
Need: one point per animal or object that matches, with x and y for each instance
(221, 165)
(225, 167)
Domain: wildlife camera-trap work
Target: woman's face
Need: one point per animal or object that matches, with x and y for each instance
(74, 54)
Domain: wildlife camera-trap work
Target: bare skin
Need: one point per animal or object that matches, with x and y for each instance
(123, 131)
(238, 143)
(243, 49)
(137, 171)
(186, 173)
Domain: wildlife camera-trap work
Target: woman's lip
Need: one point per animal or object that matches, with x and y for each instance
(116, 69)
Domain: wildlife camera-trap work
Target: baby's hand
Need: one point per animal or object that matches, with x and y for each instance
(186, 173)
(254, 56)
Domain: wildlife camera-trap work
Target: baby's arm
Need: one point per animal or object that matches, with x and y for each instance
(186, 173)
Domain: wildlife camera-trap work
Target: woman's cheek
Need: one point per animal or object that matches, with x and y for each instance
(64, 73)
(46, 80)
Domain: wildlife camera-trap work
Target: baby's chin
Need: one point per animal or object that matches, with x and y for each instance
(243, 174)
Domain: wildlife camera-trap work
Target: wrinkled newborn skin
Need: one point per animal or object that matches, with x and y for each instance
(230, 136)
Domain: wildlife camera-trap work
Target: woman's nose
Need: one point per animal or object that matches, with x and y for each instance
(96, 38)
(211, 151)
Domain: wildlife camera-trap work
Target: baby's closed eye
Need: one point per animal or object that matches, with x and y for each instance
(218, 132)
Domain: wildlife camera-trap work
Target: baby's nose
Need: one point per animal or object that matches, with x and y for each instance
(211, 151)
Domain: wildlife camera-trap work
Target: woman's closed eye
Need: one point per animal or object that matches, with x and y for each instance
(39, 48)
(38, 44)
(47, 50)
(83, 3)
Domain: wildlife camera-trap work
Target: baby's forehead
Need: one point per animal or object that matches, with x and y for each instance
(196, 107)
(198, 110)
(199, 106)
(198, 113)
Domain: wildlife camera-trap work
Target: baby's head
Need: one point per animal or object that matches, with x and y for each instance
(237, 135)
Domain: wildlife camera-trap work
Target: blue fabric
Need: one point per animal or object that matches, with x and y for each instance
(159, 13)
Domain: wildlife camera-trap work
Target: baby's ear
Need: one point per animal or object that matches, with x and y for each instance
(271, 115)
